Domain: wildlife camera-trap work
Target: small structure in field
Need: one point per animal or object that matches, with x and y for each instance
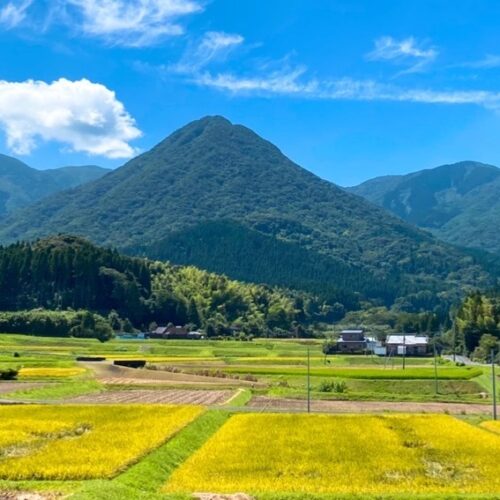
(408, 345)
(352, 342)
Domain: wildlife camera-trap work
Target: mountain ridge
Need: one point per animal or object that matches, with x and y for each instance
(459, 203)
(22, 185)
(211, 170)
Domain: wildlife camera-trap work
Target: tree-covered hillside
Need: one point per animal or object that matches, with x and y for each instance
(479, 315)
(212, 170)
(69, 273)
(21, 186)
(459, 203)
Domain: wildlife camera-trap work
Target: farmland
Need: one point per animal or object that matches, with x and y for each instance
(193, 418)
(321, 454)
(82, 442)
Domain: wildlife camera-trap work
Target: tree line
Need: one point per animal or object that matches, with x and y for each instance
(67, 273)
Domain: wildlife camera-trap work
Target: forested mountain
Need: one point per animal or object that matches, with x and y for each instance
(21, 185)
(212, 171)
(69, 273)
(459, 203)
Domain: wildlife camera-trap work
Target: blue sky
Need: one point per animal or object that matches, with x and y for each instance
(347, 89)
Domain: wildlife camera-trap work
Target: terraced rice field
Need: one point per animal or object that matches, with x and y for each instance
(158, 396)
(43, 372)
(82, 442)
(363, 455)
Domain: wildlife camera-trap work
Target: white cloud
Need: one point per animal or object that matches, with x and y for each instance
(293, 83)
(406, 52)
(83, 115)
(136, 24)
(14, 13)
(214, 46)
(488, 62)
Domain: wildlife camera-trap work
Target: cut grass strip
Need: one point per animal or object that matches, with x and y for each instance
(240, 399)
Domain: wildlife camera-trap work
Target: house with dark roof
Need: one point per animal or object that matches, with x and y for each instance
(352, 342)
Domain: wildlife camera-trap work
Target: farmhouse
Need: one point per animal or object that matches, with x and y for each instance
(409, 345)
(352, 341)
(174, 332)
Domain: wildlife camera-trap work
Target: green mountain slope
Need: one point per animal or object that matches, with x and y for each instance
(212, 170)
(459, 203)
(21, 185)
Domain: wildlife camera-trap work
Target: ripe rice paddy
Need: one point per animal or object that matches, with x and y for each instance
(493, 425)
(82, 442)
(364, 455)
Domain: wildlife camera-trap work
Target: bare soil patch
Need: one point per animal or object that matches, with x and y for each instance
(111, 374)
(6, 387)
(156, 397)
(263, 402)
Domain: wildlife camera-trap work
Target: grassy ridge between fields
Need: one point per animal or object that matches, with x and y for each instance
(453, 373)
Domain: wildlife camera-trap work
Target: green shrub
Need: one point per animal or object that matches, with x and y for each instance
(8, 373)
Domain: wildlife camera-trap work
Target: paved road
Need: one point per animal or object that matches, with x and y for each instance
(462, 359)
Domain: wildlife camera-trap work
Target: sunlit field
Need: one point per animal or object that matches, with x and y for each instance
(344, 455)
(82, 442)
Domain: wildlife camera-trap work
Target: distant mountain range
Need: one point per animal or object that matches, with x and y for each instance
(21, 185)
(459, 203)
(219, 196)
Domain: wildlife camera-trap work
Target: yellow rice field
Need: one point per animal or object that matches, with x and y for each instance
(492, 425)
(343, 455)
(47, 372)
(83, 442)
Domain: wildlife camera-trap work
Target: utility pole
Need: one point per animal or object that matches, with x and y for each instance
(308, 380)
(454, 341)
(435, 369)
(404, 351)
(494, 384)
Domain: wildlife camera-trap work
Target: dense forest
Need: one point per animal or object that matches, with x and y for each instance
(68, 273)
(165, 203)
(477, 324)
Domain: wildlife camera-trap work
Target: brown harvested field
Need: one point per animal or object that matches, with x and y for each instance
(156, 397)
(278, 404)
(6, 387)
(110, 374)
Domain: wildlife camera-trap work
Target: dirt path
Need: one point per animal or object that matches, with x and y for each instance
(266, 403)
(158, 396)
(111, 374)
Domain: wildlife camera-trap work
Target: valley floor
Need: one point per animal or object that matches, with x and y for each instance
(234, 420)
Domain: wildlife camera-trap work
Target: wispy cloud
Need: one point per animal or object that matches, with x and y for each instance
(408, 52)
(135, 24)
(294, 83)
(488, 62)
(83, 115)
(14, 13)
(214, 46)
